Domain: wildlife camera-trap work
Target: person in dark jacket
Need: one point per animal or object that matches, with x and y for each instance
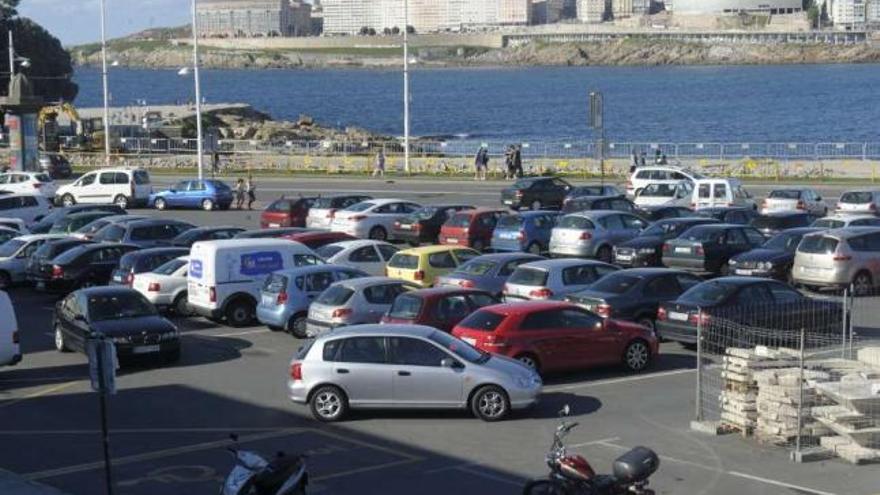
(517, 161)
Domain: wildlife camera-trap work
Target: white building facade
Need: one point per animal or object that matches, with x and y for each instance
(252, 18)
(733, 6)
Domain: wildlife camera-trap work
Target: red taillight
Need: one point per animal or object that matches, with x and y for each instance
(331, 214)
(603, 310)
(37, 185)
(154, 287)
(542, 293)
(419, 275)
(493, 340)
(357, 218)
(521, 236)
(15, 339)
(666, 248)
(296, 371)
(340, 313)
(468, 284)
(699, 318)
(518, 194)
(396, 224)
(212, 294)
(128, 279)
(282, 298)
(661, 313)
(873, 207)
(586, 236)
(801, 205)
(841, 257)
(57, 271)
(699, 251)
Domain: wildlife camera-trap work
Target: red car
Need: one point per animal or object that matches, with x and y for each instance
(316, 239)
(471, 228)
(556, 336)
(441, 308)
(286, 212)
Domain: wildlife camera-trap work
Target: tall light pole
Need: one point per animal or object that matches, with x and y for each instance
(11, 53)
(406, 86)
(106, 86)
(199, 146)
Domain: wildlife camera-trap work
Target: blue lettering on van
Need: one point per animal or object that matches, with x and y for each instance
(261, 263)
(195, 268)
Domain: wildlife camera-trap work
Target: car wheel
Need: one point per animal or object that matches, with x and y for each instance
(67, 200)
(240, 313)
(637, 356)
(536, 205)
(160, 204)
(5, 280)
(60, 344)
(121, 201)
(530, 361)
(478, 246)
(490, 403)
(378, 234)
(604, 254)
(534, 248)
(181, 305)
(297, 326)
(329, 404)
(207, 204)
(862, 284)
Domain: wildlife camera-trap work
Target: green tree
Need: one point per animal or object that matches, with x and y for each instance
(7, 8)
(51, 70)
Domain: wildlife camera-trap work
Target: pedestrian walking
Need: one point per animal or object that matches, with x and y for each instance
(517, 162)
(485, 165)
(635, 161)
(481, 161)
(239, 193)
(508, 163)
(215, 164)
(379, 165)
(643, 159)
(251, 187)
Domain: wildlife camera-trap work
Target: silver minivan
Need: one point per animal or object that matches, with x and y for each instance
(838, 258)
(406, 366)
(593, 234)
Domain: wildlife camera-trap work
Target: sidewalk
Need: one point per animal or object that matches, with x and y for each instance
(12, 484)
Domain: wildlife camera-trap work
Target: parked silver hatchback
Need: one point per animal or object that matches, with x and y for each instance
(859, 201)
(593, 234)
(354, 302)
(409, 367)
(838, 258)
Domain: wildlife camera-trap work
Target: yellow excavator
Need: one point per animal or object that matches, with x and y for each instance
(89, 132)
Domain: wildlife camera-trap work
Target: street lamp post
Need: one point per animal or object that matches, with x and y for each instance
(199, 146)
(106, 85)
(406, 86)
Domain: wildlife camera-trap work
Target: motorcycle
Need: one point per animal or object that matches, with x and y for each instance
(254, 475)
(571, 474)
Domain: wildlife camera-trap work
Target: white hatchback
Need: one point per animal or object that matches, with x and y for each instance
(28, 183)
(794, 199)
(10, 351)
(368, 256)
(165, 286)
(372, 219)
(664, 194)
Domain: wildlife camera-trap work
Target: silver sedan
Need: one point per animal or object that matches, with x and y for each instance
(406, 367)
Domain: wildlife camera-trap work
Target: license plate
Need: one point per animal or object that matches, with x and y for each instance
(117, 278)
(678, 316)
(451, 240)
(685, 250)
(508, 201)
(406, 227)
(145, 349)
(624, 257)
(743, 272)
(268, 301)
(470, 340)
(274, 225)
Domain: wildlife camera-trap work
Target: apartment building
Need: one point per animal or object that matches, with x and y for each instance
(593, 11)
(252, 18)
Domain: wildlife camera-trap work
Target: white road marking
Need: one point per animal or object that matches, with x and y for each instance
(595, 442)
(237, 334)
(452, 468)
(39, 393)
(612, 381)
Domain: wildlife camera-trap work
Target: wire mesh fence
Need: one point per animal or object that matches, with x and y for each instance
(798, 375)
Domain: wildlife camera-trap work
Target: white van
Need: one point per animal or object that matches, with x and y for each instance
(123, 186)
(10, 352)
(716, 193)
(662, 194)
(27, 207)
(225, 277)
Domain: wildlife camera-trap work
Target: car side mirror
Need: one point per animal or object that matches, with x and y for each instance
(449, 363)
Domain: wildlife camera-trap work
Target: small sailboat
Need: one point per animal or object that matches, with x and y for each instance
(184, 71)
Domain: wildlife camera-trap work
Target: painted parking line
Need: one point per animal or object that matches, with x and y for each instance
(237, 334)
(40, 393)
(612, 381)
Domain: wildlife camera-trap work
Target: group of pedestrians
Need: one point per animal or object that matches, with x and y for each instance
(640, 159)
(245, 187)
(512, 162)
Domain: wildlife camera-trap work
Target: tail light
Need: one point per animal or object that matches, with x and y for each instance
(661, 313)
(801, 205)
(330, 214)
(37, 185)
(700, 318)
(154, 287)
(296, 371)
(693, 206)
(699, 250)
(521, 235)
(282, 298)
(212, 294)
(542, 293)
(396, 224)
(841, 257)
(340, 313)
(666, 247)
(358, 218)
(495, 341)
(873, 207)
(15, 338)
(419, 275)
(57, 271)
(467, 284)
(603, 310)
(128, 279)
(518, 194)
(586, 236)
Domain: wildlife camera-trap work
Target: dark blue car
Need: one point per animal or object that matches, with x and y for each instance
(206, 194)
(774, 258)
(527, 231)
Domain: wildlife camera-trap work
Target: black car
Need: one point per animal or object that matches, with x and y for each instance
(776, 308)
(536, 193)
(655, 213)
(708, 248)
(143, 260)
(72, 223)
(738, 215)
(634, 294)
(586, 203)
(45, 223)
(646, 249)
(188, 238)
(774, 258)
(119, 314)
(89, 230)
(88, 265)
(144, 233)
(774, 223)
(423, 225)
(271, 233)
(39, 265)
(593, 190)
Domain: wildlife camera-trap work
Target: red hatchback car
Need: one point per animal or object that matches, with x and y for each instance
(557, 336)
(286, 212)
(441, 308)
(471, 228)
(316, 239)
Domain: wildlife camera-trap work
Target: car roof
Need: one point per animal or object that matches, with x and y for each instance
(502, 257)
(784, 214)
(382, 201)
(849, 232)
(721, 226)
(154, 251)
(534, 213)
(106, 290)
(528, 307)
(383, 330)
(418, 251)
(98, 245)
(210, 228)
(356, 243)
(561, 263)
(848, 218)
(358, 283)
(434, 292)
(153, 221)
(40, 237)
(305, 270)
(803, 230)
(592, 214)
(650, 271)
(236, 243)
(480, 209)
(741, 281)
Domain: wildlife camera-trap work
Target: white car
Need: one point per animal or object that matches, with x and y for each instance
(859, 201)
(14, 256)
(368, 256)
(659, 175)
(720, 193)
(123, 186)
(794, 199)
(28, 183)
(165, 286)
(664, 194)
(372, 219)
(324, 209)
(844, 221)
(10, 352)
(26, 207)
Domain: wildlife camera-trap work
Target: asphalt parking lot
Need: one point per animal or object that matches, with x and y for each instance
(169, 425)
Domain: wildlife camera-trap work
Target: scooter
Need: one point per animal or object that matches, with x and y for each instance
(571, 474)
(254, 475)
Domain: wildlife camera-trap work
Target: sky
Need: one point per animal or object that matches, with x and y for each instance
(78, 21)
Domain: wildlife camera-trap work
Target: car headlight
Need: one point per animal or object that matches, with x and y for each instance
(120, 340)
(646, 251)
(732, 262)
(767, 265)
(528, 381)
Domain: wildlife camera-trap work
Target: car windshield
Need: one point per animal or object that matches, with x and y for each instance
(856, 197)
(363, 206)
(588, 191)
(459, 348)
(335, 295)
(707, 293)
(659, 190)
(406, 307)
(615, 283)
(701, 234)
(62, 225)
(423, 213)
(91, 228)
(10, 247)
(328, 251)
(459, 220)
(829, 223)
(818, 244)
(785, 194)
(275, 283)
(405, 261)
(575, 222)
(528, 276)
(664, 228)
(118, 306)
(523, 184)
(476, 267)
(509, 222)
(783, 242)
(170, 267)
